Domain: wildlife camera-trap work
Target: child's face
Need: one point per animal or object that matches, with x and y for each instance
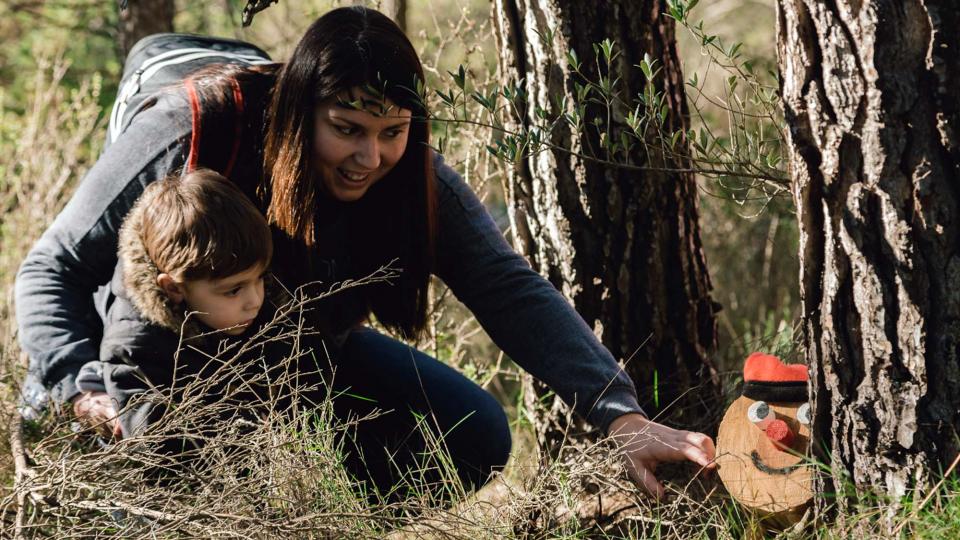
(229, 303)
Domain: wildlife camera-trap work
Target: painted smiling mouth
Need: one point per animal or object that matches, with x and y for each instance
(764, 468)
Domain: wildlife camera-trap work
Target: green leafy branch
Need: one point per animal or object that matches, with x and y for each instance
(744, 157)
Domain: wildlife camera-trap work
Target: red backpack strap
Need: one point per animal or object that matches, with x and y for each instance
(195, 124)
(238, 127)
(194, 156)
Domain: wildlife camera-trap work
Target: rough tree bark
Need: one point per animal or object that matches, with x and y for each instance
(141, 18)
(870, 94)
(623, 246)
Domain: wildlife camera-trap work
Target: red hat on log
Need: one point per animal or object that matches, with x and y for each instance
(766, 378)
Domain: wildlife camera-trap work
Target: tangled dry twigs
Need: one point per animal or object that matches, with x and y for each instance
(244, 464)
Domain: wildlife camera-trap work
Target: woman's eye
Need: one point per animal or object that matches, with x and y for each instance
(394, 133)
(345, 130)
(233, 292)
(803, 414)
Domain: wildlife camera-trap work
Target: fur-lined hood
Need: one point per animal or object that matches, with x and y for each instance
(139, 276)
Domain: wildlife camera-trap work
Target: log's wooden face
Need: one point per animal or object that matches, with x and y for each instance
(754, 470)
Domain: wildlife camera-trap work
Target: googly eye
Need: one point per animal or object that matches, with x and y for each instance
(803, 414)
(760, 414)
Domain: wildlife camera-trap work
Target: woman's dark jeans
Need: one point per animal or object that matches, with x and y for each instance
(412, 393)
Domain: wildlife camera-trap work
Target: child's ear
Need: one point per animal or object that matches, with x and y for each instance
(171, 287)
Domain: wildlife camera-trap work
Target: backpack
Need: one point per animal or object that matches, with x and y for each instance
(161, 60)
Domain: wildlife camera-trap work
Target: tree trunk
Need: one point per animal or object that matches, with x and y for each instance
(870, 95)
(623, 246)
(396, 10)
(142, 18)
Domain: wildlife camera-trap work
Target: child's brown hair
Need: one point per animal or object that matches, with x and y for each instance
(201, 226)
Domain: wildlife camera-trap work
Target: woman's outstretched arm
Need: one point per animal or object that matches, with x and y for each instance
(523, 313)
(532, 322)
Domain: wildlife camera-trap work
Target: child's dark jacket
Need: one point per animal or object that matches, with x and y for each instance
(151, 346)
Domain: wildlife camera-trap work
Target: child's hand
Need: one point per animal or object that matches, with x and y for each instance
(98, 410)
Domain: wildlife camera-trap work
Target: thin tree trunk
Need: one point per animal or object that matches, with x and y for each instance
(142, 18)
(623, 246)
(870, 94)
(396, 10)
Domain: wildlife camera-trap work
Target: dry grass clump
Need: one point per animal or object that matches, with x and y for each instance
(261, 460)
(269, 465)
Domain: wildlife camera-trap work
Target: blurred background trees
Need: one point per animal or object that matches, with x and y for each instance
(140, 18)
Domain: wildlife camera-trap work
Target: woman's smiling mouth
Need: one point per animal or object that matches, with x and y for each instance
(353, 177)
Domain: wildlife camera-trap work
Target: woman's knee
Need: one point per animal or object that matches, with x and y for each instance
(501, 436)
(491, 434)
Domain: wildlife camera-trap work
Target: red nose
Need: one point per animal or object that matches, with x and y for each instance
(779, 432)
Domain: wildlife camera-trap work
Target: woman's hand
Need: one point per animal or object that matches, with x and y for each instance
(98, 410)
(645, 443)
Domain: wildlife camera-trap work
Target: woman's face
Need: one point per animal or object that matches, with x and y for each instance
(355, 147)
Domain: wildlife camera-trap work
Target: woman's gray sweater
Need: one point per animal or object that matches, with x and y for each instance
(521, 311)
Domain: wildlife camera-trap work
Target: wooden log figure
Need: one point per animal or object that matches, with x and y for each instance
(764, 440)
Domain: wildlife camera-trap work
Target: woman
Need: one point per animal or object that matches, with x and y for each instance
(334, 148)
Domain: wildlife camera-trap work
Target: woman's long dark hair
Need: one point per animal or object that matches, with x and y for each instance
(346, 49)
(220, 126)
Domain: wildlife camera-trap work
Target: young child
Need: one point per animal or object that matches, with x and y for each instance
(193, 254)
